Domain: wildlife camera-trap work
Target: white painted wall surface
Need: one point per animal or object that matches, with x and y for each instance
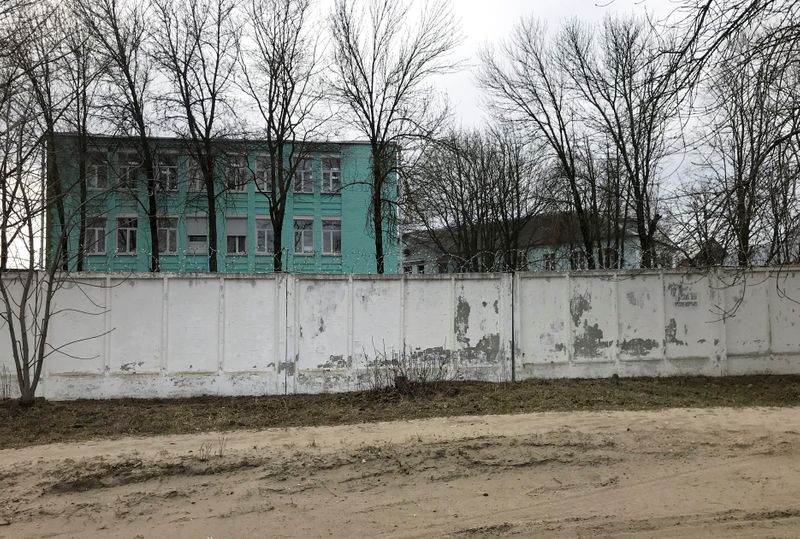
(182, 335)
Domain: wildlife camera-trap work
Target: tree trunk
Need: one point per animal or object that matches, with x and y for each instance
(277, 246)
(57, 194)
(82, 210)
(377, 209)
(212, 224)
(152, 202)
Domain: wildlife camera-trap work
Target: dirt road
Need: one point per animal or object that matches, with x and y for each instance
(673, 473)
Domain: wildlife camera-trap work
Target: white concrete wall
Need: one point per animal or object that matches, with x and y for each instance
(181, 335)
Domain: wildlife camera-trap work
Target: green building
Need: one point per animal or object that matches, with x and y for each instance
(325, 229)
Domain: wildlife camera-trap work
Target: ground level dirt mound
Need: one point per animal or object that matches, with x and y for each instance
(671, 473)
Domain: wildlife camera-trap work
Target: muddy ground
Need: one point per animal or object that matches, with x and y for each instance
(721, 472)
(80, 420)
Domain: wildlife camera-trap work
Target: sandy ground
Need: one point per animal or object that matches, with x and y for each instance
(673, 473)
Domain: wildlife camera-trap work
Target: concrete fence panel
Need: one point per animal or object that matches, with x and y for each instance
(178, 335)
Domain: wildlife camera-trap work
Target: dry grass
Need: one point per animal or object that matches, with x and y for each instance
(49, 422)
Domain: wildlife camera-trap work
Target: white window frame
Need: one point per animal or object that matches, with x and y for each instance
(240, 240)
(262, 174)
(169, 245)
(328, 174)
(304, 176)
(305, 249)
(195, 249)
(129, 165)
(130, 232)
(238, 170)
(328, 237)
(195, 183)
(269, 236)
(96, 161)
(94, 237)
(169, 170)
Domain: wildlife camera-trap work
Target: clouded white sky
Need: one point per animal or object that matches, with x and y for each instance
(484, 22)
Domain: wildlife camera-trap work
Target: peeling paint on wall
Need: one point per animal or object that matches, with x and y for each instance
(471, 334)
(671, 333)
(590, 342)
(638, 347)
(578, 305)
(462, 321)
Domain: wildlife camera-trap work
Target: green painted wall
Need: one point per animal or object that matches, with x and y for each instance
(350, 205)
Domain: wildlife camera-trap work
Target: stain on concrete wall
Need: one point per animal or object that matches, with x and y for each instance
(461, 323)
(227, 335)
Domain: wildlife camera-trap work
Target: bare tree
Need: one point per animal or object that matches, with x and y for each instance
(528, 86)
(755, 113)
(633, 92)
(41, 58)
(280, 74)
(472, 194)
(27, 287)
(119, 33)
(195, 44)
(384, 53)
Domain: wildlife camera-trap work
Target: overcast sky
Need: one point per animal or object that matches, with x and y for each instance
(484, 22)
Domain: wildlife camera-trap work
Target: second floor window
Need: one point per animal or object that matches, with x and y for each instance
(129, 165)
(236, 179)
(168, 235)
(167, 173)
(94, 240)
(331, 174)
(331, 237)
(263, 174)
(265, 237)
(197, 235)
(96, 171)
(126, 235)
(304, 236)
(194, 179)
(236, 235)
(303, 179)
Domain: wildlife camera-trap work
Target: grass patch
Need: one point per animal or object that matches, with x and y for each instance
(49, 422)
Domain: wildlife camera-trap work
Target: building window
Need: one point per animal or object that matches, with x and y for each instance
(303, 236)
(126, 235)
(408, 269)
(577, 260)
(263, 174)
(167, 235)
(194, 177)
(129, 165)
(420, 268)
(265, 237)
(236, 235)
(331, 237)
(236, 179)
(94, 240)
(303, 177)
(549, 261)
(167, 173)
(197, 235)
(331, 174)
(96, 171)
